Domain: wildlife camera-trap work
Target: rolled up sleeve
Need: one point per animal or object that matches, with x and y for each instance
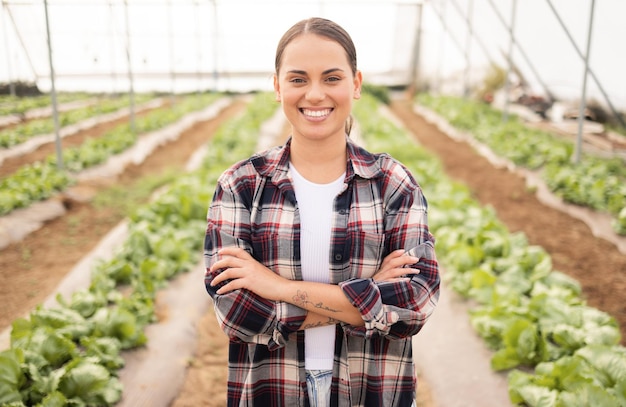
(399, 308)
(396, 309)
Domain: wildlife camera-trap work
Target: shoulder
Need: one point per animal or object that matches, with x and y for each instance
(249, 169)
(383, 168)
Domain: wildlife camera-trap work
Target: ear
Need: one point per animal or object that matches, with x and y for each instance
(277, 88)
(358, 82)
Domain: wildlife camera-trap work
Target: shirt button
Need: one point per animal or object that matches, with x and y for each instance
(338, 257)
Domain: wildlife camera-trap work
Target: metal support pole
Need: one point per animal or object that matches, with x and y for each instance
(458, 44)
(8, 52)
(583, 98)
(53, 94)
(524, 55)
(170, 40)
(131, 84)
(24, 47)
(591, 72)
(415, 61)
(215, 45)
(469, 23)
(113, 44)
(442, 17)
(507, 86)
(199, 45)
(468, 47)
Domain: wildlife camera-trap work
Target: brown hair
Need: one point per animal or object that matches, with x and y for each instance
(324, 28)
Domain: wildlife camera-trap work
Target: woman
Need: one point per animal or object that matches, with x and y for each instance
(319, 258)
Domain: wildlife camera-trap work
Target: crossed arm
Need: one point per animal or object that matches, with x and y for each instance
(326, 304)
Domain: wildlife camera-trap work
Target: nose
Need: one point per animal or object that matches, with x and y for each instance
(315, 92)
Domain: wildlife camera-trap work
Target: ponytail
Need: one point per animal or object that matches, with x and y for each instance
(348, 126)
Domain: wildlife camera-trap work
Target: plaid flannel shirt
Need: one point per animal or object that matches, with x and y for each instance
(380, 209)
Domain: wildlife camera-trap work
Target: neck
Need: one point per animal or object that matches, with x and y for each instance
(319, 162)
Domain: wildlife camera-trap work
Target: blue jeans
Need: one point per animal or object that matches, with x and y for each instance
(318, 385)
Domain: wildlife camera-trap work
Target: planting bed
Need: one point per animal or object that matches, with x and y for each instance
(31, 269)
(596, 263)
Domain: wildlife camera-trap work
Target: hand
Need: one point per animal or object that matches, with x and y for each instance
(393, 268)
(244, 271)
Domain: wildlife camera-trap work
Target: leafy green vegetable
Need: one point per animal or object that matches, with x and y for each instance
(533, 317)
(11, 376)
(595, 182)
(90, 383)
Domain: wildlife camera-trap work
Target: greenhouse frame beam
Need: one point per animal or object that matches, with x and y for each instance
(472, 34)
(468, 47)
(21, 40)
(442, 42)
(113, 33)
(590, 71)
(507, 84)
(455, 40)
(583, 98)
(8, 51)
(417, 46)
(523, 53)
(131, 86)
(170, 37)
(215, 45)
(198, 35)
(53, 93)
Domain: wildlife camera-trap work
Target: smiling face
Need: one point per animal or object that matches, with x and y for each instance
(316, 85)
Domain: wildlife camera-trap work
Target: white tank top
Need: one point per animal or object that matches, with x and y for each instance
(315, 203)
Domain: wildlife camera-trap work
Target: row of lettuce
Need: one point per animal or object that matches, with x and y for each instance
(20, 133)
(42, 179)
(21, 105)
(595, 182)
(558, 351)
(71, 354)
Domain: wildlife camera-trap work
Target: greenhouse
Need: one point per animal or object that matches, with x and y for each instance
(121, 122)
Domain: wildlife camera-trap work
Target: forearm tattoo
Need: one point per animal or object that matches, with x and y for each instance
(301, 299)
(329, 321)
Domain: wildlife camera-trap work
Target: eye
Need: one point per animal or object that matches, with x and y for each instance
(297, 80)
(333, 79)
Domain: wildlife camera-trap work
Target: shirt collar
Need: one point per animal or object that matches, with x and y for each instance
(274, 163)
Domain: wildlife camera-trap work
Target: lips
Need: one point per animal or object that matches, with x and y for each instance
(316, 114)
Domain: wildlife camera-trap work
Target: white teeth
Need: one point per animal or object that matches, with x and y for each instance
(316, 113)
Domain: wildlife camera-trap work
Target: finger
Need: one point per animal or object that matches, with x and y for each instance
(235, 252)
(228, 287)
(403, 271)
(391, 256)
(224, 263)
(400, 262)
(398, 280)
(225, 275)
(404, 261)
(231, 257)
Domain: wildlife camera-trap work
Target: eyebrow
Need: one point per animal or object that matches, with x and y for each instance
(300, 72)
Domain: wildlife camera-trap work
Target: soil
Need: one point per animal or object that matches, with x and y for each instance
(12, 164)
(32, 268)
(596, 263)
